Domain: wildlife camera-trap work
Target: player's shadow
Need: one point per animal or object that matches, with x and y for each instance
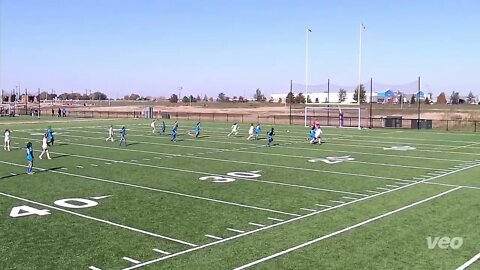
(134, 143)
(60, 156)
(36, 172)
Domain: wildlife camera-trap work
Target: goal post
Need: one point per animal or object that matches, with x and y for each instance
(334, 116)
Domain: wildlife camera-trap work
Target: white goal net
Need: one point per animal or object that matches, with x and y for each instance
(333, 116)
(5, 109)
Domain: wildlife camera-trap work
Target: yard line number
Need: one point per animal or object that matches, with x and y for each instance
(332, 160)
(72, 203)
(230, 177)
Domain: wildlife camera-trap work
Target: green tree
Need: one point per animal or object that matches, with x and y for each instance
(342, 95)
(173, 98)
(308, 99)
(221, 97)
(241, 99)
(362, 94)
(205, 98)
(300, 98)
(412, 100)
(290, 98)
(442, 99)
(455, 98)
(258, 96)
(279, 100)
(98, 96)
(427, 101)
(470, 97)
(185, 99)
(316, 100)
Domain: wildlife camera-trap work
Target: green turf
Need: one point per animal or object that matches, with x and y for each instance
(159, 202)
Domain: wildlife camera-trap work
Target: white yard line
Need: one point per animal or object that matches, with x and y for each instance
(205, 173)
(463, 146)
(256, 224)
(285, 147)
(337, 201)
(343, 230)
(293, 219)
(235, 230)
(159, 190)
(349, 198)
(275, 219)
(469, 262)
(100, 220)
(308, 209)
(93, 268)
(161, 251)
(450, 185)
(322, 205)
(213, 237)
(131, 260)
(243, 162)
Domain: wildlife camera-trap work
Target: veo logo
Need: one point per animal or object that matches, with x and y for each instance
(444, 242)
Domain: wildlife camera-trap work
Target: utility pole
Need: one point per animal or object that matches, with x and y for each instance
(290, 96)
(39, 99)
(26, 101)
(418, 100)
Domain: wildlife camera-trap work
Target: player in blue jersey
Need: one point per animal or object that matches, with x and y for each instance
(258, 129)
(123, 136)
(197, 130)
(163, 127)
(29, 150)
(50, 138)
(312, 134)
(270, 137)
(174, 132)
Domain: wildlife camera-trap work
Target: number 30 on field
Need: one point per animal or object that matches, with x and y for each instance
(72, 203)
(223, 179)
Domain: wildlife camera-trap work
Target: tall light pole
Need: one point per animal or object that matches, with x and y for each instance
(362, 27)
(179, 92)
(307, 31)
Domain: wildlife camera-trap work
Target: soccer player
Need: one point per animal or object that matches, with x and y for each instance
(250, 131)
(44, 147)
(270, 137)
(312, 134)
(6, 143)
(163, 127)
(234, 130)
(318, 136)
(123, 136)
(258, 129)
(153, 125)
(197, 130)
(174, 132)
(29, 150)
(51, 140)
(110, 134)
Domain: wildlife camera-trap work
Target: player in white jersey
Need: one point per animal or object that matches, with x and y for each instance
(318, 136)
(6, 144)
(251, 132)
(44, 147)
(234, 131)
(153, 125)
(110, 134)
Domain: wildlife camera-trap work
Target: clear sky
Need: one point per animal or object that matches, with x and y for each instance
(235, 46)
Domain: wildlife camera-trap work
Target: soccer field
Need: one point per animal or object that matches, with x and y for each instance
(364, 199)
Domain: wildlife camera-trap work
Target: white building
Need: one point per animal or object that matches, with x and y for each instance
(325, 97)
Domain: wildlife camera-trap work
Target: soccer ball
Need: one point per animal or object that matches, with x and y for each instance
(288, 130)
